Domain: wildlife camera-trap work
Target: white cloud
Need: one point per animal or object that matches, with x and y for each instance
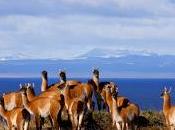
(65, 28)
(129, 8)
(67, 36)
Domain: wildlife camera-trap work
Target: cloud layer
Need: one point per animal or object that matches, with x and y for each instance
(66, 28)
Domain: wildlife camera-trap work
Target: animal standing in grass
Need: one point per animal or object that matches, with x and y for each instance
(17, 118)
(123, 117)
(76, 89)
(42, 107)
(168, 109)
(99, 96)
(76, 108)
(12, 99)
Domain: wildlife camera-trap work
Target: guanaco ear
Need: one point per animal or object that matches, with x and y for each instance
(29, 84)
(165, 89)
(20, 85)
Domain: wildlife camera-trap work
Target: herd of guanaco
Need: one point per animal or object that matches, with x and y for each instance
(18, 108)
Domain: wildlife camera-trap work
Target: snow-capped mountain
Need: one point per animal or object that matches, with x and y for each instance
(113, 63)
(18, 56)
(107, 53)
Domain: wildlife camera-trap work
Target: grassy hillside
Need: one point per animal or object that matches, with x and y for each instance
(148, 120)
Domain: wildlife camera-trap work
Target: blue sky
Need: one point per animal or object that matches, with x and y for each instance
(67, 28)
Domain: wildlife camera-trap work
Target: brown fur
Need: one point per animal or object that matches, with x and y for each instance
(99, 88)
(60, 85)
(16, 118)
(76, 106)
(57, 85)
(168, 109)
(121, 101)
(76, 88)
(130, 114)
(12, 100)
(44, 84)
(124, 114)
(43, 107)
(56, 94)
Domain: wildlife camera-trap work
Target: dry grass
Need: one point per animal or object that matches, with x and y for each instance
(149, 120)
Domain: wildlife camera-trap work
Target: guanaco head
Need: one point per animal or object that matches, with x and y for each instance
(23, 87)
(30, 89)
(62, 75)
(112, 89)
(96, 73)
(44, 74)
(166, 93)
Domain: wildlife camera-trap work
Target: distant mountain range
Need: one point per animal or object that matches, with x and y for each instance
(112, 63)
(107, 53)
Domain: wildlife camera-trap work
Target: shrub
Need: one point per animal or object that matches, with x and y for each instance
(154, 118)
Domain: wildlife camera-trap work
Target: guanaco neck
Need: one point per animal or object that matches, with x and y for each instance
(112, 103)
(63, 79)
(25, 101)
(96, 81)
(109, 100)
(44, 85)
(3, 112)
(166, 103)
(30, 94)
(67, 98)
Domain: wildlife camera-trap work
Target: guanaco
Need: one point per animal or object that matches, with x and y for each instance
(55, 86)
(168, 109)
(99, 96)
(43, 107)
(76, 88)
(124, 116)
(50, 94)
(13, 99)
(121, 100)
(94, 82)
(76, 108)
(18, 118)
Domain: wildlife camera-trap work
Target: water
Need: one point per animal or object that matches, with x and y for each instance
(144, 92)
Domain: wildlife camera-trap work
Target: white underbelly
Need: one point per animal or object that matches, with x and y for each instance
(44, 111)
(11, 105)
(172, 119)
(14, 120)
